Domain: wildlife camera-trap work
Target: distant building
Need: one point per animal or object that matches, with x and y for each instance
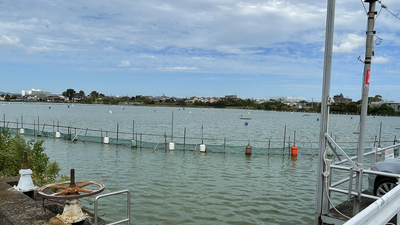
(232, 97)
(341, 99)
(292, 101)
(394, 105)
(35, 92)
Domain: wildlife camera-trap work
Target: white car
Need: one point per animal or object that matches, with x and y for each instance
(379, 185)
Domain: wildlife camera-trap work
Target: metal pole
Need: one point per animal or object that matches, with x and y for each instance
(365, 90)
(380, 134)
(365, 81)
(172, 126)
(184, 139)
(224, 144)
(165, 141)
(322, 204)
(284, 136)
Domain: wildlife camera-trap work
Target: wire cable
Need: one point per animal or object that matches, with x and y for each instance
(327, 191)
(385, 7)
(364, 7)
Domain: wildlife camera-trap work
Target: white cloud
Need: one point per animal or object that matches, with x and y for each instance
(34, 49)
(124, 63)
(33, 20)
(108, 49)
(6, 40)
(237, 50)
(147, 56)
(379, 60)
(349, 43)
(177, 68)
(46, 22)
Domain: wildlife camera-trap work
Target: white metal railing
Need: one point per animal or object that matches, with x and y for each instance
(381, 211)
(379, 208)
(128, 206)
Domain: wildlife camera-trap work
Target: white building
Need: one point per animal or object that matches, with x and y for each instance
(394, 105)
(288, 99)
(36, 92)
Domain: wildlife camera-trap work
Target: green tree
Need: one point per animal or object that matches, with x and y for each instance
(7, 98)
(69, 93)
(81, 94)
(11, 159)
(377, 98)
(181, 102)
(94, 95)
(124, 99)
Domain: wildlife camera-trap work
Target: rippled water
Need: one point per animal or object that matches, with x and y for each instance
(182, 188)
(264, 128)
(192, 188)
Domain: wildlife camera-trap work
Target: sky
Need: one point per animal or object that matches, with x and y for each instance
(206, 48)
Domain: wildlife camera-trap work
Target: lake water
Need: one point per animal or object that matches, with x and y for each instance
(187, 187)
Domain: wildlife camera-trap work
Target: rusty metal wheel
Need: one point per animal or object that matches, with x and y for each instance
(70, 192)
(70, 189)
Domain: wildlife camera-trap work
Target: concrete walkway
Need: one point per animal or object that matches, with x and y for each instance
(17, 208)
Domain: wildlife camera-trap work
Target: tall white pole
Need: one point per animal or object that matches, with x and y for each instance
(322, 204)
(365, 81)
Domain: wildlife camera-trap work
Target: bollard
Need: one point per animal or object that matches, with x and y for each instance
(248, 150)
(58, 135)
(25, 182)
(133, 143)
(171, 146)
(106, 140)
(203, 148)
(22, 131)
(294, 150)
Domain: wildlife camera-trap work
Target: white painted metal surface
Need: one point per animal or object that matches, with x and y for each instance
(381, 211)
(25, 182)
(128, 206)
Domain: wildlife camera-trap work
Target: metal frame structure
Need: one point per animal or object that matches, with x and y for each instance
(325, 169)
(128, 206)
(354, 192)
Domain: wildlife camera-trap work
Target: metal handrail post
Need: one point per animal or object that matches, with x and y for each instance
(128, 206)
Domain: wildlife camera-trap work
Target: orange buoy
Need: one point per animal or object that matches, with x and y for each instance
(248, 150)
(294, 150)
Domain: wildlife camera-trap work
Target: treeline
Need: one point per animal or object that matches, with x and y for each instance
(352, 108)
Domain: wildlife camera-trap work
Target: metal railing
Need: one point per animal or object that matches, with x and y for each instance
(128, 206)
(379, 210)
